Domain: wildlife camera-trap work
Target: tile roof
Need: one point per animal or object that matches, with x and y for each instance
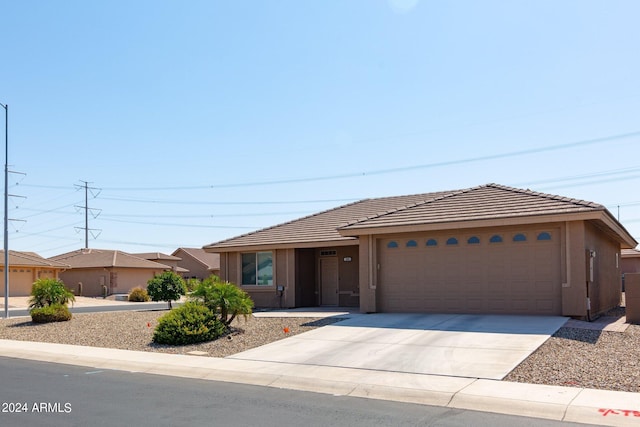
(485, 202)
(30, 259)
(105, 258)
(491, 201)
(208, 259)
(630, 253)
(156, 255)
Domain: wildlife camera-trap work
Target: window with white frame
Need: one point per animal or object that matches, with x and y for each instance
(257, 268)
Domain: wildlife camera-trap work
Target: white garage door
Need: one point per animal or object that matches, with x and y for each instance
(493, 272)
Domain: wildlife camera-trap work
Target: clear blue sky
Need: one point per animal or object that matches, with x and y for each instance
(196, 121)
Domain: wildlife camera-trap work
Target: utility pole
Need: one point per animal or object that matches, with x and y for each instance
(86, 211)
(6, 210)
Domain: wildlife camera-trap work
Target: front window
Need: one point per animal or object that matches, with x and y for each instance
(257, 268)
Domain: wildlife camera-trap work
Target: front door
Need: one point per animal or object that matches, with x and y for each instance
(329, 281)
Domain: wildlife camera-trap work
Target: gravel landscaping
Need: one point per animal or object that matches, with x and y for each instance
(133, 330)
(572, 357)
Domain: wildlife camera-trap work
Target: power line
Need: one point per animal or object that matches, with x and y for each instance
(517, 153)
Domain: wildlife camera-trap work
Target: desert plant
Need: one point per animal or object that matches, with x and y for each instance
(189, 324)
(192, 284)
(168, 286)
(223, 298)
(139, 295)
(45, 292)
(50, 313)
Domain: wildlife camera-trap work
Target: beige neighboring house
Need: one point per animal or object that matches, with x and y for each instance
(159, 257)
(24, 269)
(630, 262)
(487, 249)
(198, 263)
(102, 269)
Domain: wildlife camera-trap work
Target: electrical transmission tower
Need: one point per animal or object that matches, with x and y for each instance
(94, 192)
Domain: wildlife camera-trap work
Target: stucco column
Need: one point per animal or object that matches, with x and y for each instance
(574, 290)
(367, 274)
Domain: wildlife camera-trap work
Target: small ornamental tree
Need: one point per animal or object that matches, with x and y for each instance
(46, 292)
(224, 299)
(168, 286)
(48, 302)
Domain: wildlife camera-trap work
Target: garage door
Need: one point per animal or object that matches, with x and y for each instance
(512, 273)
(20, 282)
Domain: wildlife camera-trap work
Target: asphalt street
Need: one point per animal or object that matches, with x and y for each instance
(102, 308)
(48, 394)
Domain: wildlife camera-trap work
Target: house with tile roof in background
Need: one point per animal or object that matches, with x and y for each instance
(486, 249)
(159, 257)
(94, 272)
(197, 263)
(25, 268)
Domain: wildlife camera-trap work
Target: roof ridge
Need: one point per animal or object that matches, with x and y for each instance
(411, 205)
(581, 202)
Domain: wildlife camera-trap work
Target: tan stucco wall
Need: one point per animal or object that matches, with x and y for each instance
(196, 268)
(574, 288)
(118, 280)
(367, 275)
(632, 297)
(605, 291)
(630, 265)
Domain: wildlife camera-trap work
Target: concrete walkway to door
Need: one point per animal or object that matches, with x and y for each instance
(471, 346)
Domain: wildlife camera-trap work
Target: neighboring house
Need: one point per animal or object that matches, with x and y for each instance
(630, 262)
(486, 249)
(24, 269)
(100, 270)
(159, 257)
(198, 263)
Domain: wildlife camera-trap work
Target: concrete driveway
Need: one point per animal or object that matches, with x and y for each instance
(474, 346)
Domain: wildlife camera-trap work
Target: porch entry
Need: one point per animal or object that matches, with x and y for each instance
(329, 280)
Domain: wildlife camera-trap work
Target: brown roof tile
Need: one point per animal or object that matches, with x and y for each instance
(491, 201)
(486, 202)
(96, 258)
(30, 259)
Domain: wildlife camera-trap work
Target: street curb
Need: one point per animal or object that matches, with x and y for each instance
(601, 407)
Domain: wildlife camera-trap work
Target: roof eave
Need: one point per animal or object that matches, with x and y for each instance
(284, 245)
(604, 216)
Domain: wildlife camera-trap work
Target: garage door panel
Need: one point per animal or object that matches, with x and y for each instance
(506, 277)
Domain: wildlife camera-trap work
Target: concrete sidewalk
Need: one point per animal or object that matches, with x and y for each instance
(549, 402)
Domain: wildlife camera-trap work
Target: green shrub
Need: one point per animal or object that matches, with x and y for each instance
(223, 298)
(45, 292)
(50, 313)
(139, 295)
(192, 284)
(189, 324)
(168, 286)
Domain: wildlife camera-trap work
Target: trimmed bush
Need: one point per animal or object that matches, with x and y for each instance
(139, 295)
(168, 286)
(189, 324)
(50, 313)
(46, 292)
